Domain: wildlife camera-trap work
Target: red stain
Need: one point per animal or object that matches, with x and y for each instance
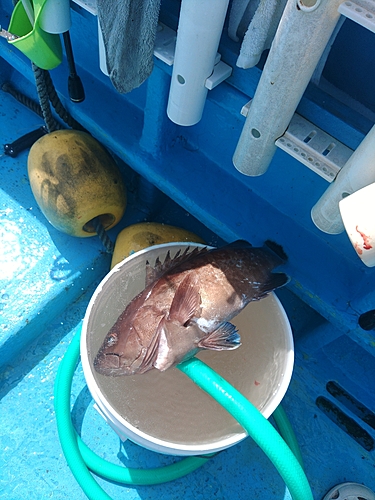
(256, 382)
(366, 239)
(358, 249)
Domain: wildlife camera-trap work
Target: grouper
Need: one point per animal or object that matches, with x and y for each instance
(186, 306)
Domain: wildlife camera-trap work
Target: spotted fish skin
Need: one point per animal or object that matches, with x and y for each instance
(186, 306)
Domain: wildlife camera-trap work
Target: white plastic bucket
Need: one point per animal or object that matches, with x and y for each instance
(165, 411)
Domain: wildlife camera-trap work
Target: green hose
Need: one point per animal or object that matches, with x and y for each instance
(67, 434)
(285, 429)
(81, 459)
(257, 426)
(138, 477)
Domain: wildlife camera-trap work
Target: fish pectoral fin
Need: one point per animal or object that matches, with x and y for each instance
(225, 337)
(164, 359)
(152, 350)
(186, 300)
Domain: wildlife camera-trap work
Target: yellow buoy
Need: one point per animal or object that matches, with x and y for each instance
(145, 234)
(74, 179)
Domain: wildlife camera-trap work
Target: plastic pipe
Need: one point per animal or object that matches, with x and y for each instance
(357, 173)
(80, 458)
(28, 6)
(257, 426)
(55, 16)
(304, 30)
(199, 30)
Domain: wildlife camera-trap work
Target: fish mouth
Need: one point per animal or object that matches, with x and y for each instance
(107, 364)
(113, 364)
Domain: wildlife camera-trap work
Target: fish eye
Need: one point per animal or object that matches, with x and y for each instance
(112, 339)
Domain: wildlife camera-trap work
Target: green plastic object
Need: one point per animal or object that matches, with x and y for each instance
(82, 460)
(42, 48)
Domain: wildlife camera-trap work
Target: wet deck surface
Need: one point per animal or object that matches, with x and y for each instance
(47, 279)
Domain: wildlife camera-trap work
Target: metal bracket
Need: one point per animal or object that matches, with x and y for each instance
(312, 146)
(361, 12)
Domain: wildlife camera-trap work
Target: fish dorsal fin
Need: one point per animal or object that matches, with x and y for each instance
(154, 273)
(186, 300)
(225, 337)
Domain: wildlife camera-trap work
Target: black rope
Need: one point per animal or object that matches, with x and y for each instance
(23, 99)
(46, 85)
(58, 105)
(41, 87)
(103, 236)
(46, 94)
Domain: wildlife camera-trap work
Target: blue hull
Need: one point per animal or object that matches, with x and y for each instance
(185, 176)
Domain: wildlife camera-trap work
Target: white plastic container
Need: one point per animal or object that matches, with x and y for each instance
(357, 173)
(165, 411)
(357, 212)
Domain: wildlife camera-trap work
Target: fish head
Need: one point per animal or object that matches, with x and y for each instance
(130, 345)
(117, 358)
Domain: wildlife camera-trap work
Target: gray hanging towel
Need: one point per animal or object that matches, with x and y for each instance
(264, 17)
(129, 29)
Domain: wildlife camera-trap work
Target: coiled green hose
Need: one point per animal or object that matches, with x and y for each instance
(80, 458)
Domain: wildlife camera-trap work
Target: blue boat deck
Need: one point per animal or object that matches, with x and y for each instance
(185, 178)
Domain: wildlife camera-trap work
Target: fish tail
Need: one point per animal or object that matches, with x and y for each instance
(276, 280)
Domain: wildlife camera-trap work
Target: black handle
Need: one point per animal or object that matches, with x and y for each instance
(24, 142)
(75, 87)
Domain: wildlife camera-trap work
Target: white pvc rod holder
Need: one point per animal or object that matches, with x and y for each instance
(55, 16)
(304, 30)
(357, 173)
(199, 30)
